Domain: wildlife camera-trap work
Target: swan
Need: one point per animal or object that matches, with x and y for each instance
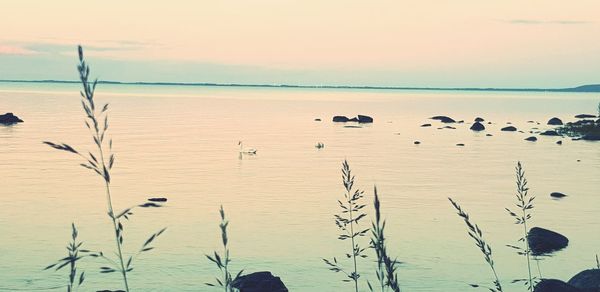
(247, 150)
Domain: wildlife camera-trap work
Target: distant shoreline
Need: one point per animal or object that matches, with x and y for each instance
(584, 88)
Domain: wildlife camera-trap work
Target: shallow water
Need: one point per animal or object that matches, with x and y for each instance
(181, 142)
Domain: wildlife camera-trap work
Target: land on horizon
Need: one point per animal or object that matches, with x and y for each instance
(589, 88)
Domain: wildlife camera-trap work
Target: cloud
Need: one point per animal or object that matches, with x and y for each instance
(541, 22)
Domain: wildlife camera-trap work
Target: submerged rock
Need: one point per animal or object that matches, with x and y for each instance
(543, 241)
(550, 133)
(259, 282)
(509, 129)
(591, 137)
(478, 119)
(444, 119)
(531, 139)
(477, 126)
(557, 195)
(317, 120)
(417, 142)
(9, 119)
(340, 119)
(588, 280)
(559, 142)
(555, 122)
(364, 119)
(426, 125)
(460, 144)
(584, 116)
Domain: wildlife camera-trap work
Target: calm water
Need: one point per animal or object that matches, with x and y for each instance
(181, 142)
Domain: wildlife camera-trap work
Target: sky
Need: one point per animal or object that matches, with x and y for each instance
(424, 43)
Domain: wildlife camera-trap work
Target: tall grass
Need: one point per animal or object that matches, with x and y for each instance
(347, 222)
(222, 260)
(477, 235)
(101, 162)
(522, 215)
(386, 266)
(75, 254)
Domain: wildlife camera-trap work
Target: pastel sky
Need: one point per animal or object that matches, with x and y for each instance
(441, 43)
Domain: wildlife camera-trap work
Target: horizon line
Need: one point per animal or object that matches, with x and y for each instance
(581, 88)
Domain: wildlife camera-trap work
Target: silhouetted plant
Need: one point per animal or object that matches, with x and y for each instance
(347, 221)
(475, 232)
(75, 253)
(386, 266)
(597, 262)
(222, 261)
(522, 215)
(101, 163)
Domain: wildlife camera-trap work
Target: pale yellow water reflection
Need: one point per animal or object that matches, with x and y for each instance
(181, 142)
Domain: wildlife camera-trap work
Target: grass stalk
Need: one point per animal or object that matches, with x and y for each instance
(477, 235)
(386, 266)
(347, 222)
(522, 215)
(222, 260)
(75, 254)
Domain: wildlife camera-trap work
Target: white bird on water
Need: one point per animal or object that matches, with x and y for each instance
(246, 150)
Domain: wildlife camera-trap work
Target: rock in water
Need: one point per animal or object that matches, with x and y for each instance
(559, 142)
(550, 133)
(543, 241)
(477, 126)
(417, 142)
(259, 282)
(553, 285)
(584, 116)
(340, 119)
(478, 119)
(557, 195)
(364, 119)
(509, 129)
(9, 119)
(426, 125)
(588, 280)
(531, 139)
(555, 122)
(591, 137)
(444, 119)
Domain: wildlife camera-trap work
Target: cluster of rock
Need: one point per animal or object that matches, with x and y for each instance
(584, 281)
(9, 119)
(360, 119)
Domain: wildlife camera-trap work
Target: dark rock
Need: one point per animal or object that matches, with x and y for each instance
(550, 133)
(417, 142)
(591, 137)
(460, 122)
(531, 139)
(364, 119)
(444, 119)
(543, 241)
(478, 119)
(317, 120)
(584, 116)
(489, 123)
(355, 119)
(555, 122)
(531, 122)
(259, 282)
(521, 131)
(426, 125)
(340, 119)
(557, 195)
(9, 119)
(460, 144)
(450, 127)
(509, 129)
(553, 285)
(477, 126)
(559, 142)
(588, 280)
(489, 135)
